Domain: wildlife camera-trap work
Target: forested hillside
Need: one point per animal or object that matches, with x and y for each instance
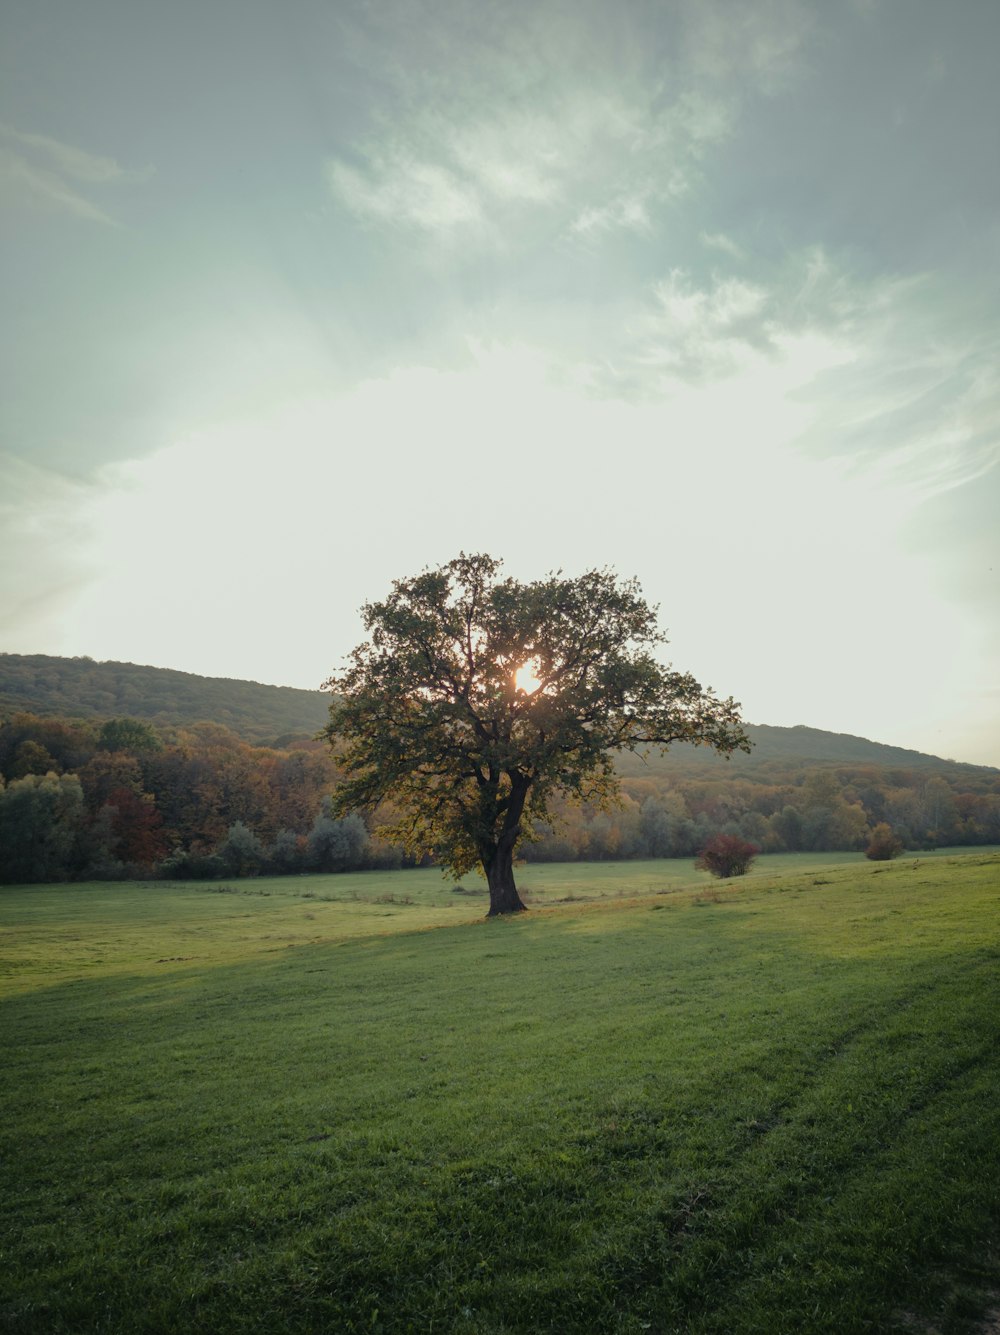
(145, 770)
(781, 747)
(81, 688)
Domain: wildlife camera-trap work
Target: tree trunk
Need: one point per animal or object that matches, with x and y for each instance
(500, 878)
(498, 858)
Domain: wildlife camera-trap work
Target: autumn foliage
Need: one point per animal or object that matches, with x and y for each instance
(727, 855)
(181, 802)
(884, 844)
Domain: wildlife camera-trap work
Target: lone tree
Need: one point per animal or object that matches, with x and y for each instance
(477, 698)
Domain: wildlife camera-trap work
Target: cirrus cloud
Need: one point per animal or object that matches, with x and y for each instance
(37, 171)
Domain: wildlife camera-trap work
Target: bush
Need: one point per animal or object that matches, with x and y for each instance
(185, 866)
(726, 855)
(337, 845)
(241, 852)
(884, 844)
(287, 854)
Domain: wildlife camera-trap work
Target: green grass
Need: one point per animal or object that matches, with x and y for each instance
(59, 932)
(670, 1104)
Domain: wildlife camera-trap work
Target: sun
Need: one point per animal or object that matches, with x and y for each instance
(526, 677)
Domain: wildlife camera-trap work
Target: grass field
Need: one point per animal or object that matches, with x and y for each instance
(655, 1103)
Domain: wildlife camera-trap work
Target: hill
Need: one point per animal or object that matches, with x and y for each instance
(82, 688)
(776, 747)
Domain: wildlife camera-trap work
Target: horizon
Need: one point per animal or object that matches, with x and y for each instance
(707, 296)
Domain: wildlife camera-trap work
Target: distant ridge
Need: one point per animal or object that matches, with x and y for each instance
(83, 688)
(798, 745)
(813, 744)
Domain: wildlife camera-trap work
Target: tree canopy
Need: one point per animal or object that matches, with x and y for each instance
(478, 699)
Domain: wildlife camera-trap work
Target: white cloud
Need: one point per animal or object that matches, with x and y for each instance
(918, 404)
(399, 189)
(758, 44)
(901, 394)
(707, 313)
(518, 157)
(41, 172)
(690, 332)
(66, 159)
(23, 184)
(450, 169)
(600, 153)
(594, 156)
(587, 158)
(719, 241)
(628, 213)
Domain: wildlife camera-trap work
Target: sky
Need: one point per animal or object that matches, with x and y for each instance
(300, 298)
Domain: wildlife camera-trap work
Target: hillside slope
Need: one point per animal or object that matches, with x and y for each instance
(83, 688)
(781, 747)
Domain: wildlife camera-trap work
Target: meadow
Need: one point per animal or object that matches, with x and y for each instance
(657, 1102)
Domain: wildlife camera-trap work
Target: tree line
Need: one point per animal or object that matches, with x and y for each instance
(83, 800)
(805, 808)
(92, 799)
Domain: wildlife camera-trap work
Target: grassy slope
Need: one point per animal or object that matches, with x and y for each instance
(765, 1107)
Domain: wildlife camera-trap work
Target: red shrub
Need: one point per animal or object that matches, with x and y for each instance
(726, 855)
